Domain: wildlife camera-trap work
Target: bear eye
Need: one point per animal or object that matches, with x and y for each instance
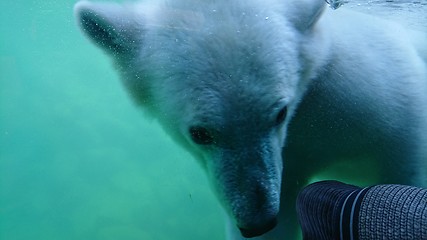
(281, 116)
(201, 136)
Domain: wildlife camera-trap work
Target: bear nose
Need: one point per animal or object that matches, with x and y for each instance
(254, 231)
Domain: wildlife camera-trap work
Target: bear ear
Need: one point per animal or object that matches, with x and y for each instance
(113, 27)
(305, 13)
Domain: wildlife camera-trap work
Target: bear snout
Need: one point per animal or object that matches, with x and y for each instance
(257, 213)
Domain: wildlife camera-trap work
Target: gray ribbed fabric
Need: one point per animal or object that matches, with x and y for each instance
(332, 210)
(319, 208)
(393, 212)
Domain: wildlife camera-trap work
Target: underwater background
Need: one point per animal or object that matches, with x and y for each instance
(78, 160)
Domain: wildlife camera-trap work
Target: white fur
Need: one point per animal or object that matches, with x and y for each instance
(355, 87)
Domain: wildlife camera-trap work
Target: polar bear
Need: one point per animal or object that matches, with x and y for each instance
(264, 94)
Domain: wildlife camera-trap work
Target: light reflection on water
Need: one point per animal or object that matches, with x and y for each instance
(411, 13)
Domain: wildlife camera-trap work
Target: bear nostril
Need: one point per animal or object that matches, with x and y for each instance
(254, 231)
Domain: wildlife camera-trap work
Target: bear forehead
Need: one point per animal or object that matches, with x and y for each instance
(216, 22)
(214, 100)
(212, 58)
(221, 57)
(191, 40)
(195, 13)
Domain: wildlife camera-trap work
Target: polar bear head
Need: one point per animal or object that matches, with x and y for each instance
(223, 78)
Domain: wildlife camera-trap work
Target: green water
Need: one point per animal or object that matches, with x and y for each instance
(77, 159)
